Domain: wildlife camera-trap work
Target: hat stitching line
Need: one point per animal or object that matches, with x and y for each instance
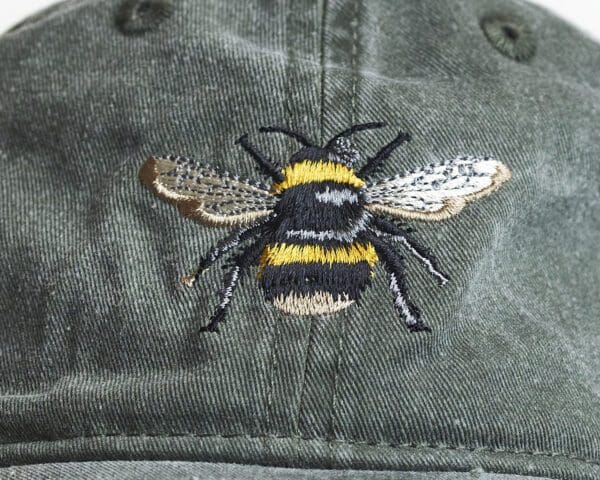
(416, 446)
(274, 331)
(302, 389)
(354, 60)
(311, 333)
(273, 342)
(269, 373)
(323, 68)
(342, 343)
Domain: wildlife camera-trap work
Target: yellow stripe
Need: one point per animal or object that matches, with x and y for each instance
(309, 171)
(284, 254)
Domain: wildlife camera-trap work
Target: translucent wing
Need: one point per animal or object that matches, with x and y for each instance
(437, 191)
(205, 194)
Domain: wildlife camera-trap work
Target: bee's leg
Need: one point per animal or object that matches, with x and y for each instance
(232, 279)
(266, 164)
(224, 246)
(419, 251)
(241, 263)
(394, 264)
(373, 163)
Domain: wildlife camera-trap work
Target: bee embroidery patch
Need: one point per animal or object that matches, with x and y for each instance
(318, 231)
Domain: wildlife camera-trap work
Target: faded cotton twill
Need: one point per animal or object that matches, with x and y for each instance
(219, 471)
(100, 355)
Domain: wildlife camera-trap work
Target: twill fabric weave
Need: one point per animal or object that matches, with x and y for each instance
(101, 358)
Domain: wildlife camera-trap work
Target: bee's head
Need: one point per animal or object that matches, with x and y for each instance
(339, 149)
(342, 150)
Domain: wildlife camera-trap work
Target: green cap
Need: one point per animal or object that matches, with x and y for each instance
(408, 286)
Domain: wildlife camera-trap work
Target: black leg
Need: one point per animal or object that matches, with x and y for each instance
(420, 252)
(231, 281)
(266, 165)
(241, 263)
(394, 264)
(375, 162)
(227, 244)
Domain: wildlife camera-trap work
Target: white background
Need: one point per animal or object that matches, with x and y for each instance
(583, 13)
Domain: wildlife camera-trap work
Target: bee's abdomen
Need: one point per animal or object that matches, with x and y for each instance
(312, 279)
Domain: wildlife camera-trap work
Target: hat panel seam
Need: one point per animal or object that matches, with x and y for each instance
(322, 62)
(330, 442)
(343, 335)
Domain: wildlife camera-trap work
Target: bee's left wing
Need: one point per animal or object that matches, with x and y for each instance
(437, 191)
(205, 194)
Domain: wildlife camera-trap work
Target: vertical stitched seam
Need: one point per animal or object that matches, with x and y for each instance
(302, 389)
(273, 342)
(342, 340)
(288, 65)
(310, 339)
(354, 61)
(323, 69)
(334, 397)
(288, 115)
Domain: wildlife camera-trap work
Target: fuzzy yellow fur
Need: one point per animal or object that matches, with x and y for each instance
(310, 171)
(284, 254)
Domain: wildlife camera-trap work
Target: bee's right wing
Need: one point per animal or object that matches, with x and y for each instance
(437, 191)
(205, 194)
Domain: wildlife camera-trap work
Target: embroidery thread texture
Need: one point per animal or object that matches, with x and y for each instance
(318, 231)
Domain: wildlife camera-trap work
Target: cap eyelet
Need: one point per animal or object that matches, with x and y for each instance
(136, 17)
(510, 35)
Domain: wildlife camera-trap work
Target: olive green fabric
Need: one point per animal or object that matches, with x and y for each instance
(218, 471)
(100, 354)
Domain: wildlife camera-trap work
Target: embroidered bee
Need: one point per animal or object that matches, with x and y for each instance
(318, 231)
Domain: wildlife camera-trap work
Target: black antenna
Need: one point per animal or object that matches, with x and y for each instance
(354, 129)
(265, 163)
(286, 131)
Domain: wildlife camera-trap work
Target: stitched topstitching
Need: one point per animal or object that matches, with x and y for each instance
(311, 332)
(322, 64)
(410, 445)
(301, 390)
(271, 367)
(343, 334)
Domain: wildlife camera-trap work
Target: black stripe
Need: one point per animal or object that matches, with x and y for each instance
(309, 153)
(337, 279)
(280, 236)
(301, 209)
